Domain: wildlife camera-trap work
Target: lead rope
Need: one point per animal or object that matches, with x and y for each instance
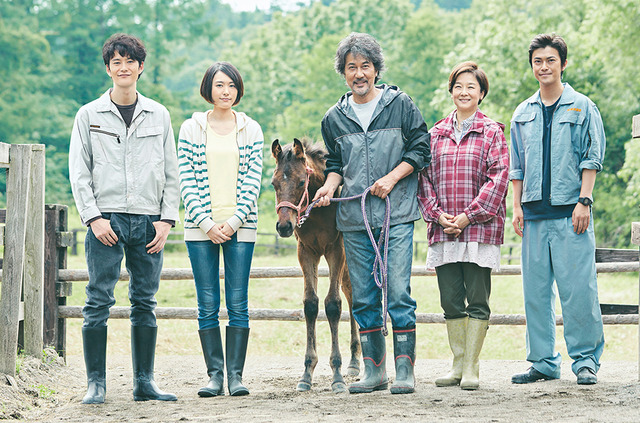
(381, 248)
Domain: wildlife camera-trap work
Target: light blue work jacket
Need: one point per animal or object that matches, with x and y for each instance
(577, 142)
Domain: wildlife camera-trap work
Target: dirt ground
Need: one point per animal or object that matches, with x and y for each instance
(49, 391)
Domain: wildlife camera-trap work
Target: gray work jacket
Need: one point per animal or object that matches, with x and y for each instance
(115, 169)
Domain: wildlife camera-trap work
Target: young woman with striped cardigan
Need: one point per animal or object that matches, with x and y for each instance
(220, 164)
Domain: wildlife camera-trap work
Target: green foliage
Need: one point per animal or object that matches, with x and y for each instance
(52, 64)
(44, 392)
(19, 361)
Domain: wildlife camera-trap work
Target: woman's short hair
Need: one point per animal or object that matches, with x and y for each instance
(359, 44)
(473, 69)
(229, 70)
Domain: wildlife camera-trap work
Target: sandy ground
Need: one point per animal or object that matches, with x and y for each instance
(272, 382)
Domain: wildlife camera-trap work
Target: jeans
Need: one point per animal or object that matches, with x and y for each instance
(460, 282)
(103, 263)
(205, 262)
(551, 250)
(367, 297)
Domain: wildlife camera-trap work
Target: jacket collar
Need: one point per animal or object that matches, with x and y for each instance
(444, 127)
(242, 120)
(104, 103)
(568, 96)
(389, 93)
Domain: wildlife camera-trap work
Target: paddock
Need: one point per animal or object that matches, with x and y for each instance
(33, 303)
(33, 315)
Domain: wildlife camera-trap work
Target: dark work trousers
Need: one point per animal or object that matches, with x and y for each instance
(103, 262)
(464, 290)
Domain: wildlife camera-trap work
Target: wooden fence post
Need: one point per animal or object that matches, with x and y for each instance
(635, 233)
(635, 239)
(14, 254)
(34, 256)
(55, 291)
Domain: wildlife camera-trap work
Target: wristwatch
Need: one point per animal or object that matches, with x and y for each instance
(586, 201)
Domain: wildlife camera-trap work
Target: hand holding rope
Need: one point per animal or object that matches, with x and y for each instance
(381, 248)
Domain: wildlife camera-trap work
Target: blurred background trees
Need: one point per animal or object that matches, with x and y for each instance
(51, 64)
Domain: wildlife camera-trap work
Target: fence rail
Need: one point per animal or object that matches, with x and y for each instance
(48, 289)
(510, 251)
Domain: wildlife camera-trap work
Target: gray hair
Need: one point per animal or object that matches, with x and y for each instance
(359, 44)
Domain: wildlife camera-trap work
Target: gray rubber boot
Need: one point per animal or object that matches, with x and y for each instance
(213, 356)
(404, 347)
(457, 333)
(143, 352)
(374, 355)
(476, 332)
(237, 339)
(94, 341)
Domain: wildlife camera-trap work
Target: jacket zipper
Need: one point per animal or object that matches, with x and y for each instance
(550, 148)
(106, 133)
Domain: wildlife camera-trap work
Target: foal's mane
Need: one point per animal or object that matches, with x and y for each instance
(314, 152)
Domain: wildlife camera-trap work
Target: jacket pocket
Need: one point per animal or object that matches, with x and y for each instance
(106, 145)
(574, 118)
(150, 143)
(570, 125)
(524, 117)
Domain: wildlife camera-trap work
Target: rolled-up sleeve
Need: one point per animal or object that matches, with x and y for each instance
(593, 141)
(516, 170)
(417, 138)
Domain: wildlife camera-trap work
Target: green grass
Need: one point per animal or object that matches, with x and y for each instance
(288, 338)
(43, 391)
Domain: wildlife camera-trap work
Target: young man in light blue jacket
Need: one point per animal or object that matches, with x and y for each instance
(123, 170)
(557, 147)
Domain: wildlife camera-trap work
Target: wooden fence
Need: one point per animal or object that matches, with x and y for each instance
(23, 252)
(47, 282)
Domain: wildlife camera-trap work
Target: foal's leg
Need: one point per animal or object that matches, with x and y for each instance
(309, 264)
(333, 308)
(356, 351)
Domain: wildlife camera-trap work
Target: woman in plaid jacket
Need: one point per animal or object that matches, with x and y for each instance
(462, 197)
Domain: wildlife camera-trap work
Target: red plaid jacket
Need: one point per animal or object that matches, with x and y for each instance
(470, 177)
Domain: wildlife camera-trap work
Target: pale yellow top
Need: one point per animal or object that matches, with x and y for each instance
(223, 159)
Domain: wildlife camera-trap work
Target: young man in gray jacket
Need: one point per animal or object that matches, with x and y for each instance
(376, 137)
(124, 176)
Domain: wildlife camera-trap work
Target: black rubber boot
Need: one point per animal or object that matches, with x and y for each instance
(94, 342)
(143, 351)
(236, 352)
(404, 347)
(374, 355)
(212, 349)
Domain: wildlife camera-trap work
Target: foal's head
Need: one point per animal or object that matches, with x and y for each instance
(290, 181)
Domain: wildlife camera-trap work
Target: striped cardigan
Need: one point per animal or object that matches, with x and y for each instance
(194, 180)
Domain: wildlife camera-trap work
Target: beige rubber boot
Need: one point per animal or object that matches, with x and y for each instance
(457, 332)
(476, 332)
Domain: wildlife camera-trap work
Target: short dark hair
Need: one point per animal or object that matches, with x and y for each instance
(474, 70)
(548, 40)
(126, 45)
(359, 44)
(229, 70)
